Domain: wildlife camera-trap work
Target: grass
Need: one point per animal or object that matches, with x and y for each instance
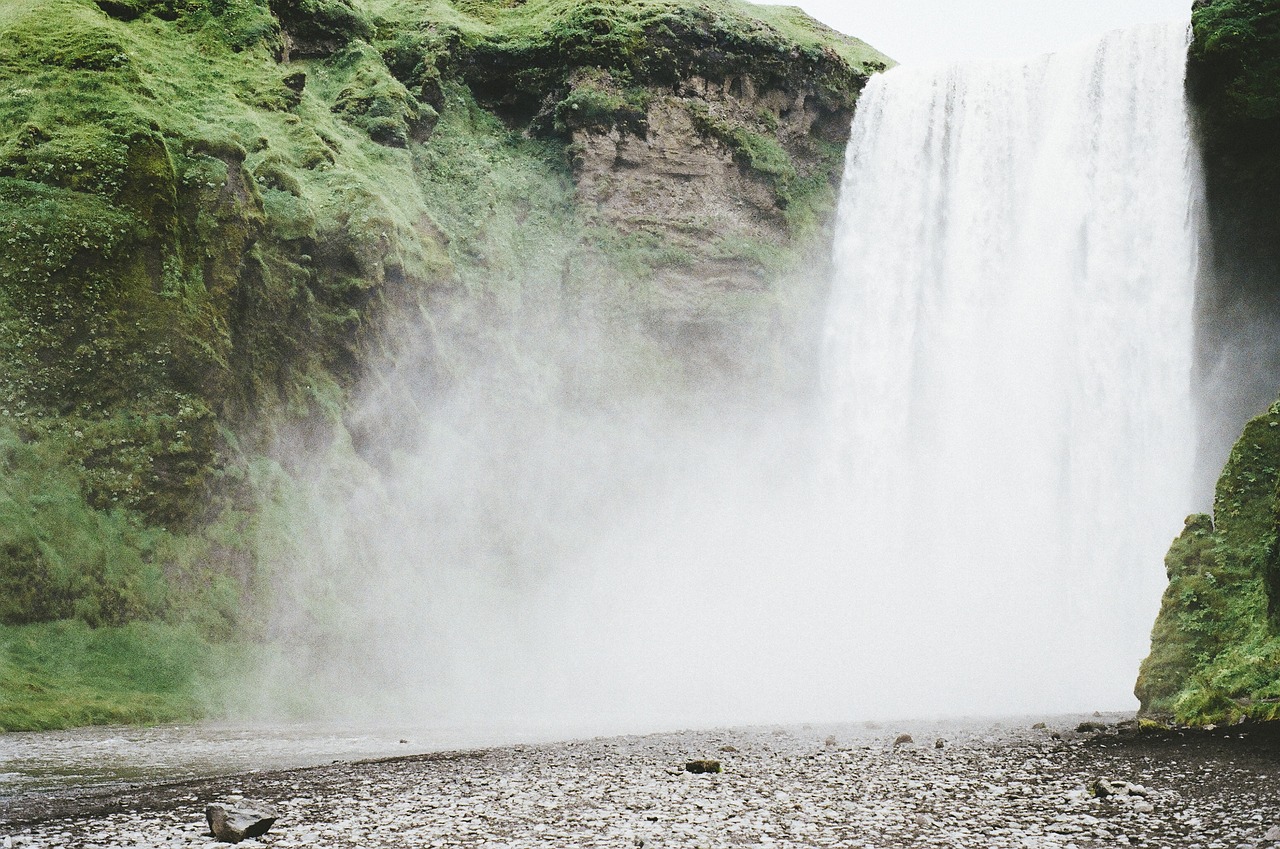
(201, 245)
(64, 674)
(1216, 643)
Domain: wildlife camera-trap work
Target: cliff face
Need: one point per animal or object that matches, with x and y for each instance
(1215, 652)
(217, 210)
(1233, 81)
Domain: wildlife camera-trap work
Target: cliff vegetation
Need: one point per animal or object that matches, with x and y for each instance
(214, 211)
(1215, 654)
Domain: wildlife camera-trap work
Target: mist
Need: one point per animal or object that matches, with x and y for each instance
(962, 510)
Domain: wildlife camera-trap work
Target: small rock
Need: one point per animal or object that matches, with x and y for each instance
(1039, 726)
(1273, 834)
(1104, 787)
(231, 823)
(830, 741)
(702, 766)
(729, 749)
(1090, 727)
(903, 739)
(939, 743)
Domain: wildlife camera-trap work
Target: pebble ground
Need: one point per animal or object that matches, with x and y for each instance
(986, 785)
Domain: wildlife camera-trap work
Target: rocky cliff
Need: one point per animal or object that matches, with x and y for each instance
(219, 215)
(1215, 652)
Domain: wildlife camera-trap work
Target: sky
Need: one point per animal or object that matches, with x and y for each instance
(917, 31)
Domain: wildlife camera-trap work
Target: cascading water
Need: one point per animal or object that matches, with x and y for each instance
(1009, 351)
(1005, 456)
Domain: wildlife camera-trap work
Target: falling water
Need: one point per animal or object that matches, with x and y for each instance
(1009, 357)
(1009, 353)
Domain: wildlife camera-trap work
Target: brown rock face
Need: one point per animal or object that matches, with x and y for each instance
(678, 176)
(715, 176)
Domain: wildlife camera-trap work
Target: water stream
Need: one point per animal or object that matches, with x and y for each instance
(1009, 351)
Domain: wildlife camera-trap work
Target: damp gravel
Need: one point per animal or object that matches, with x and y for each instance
(955, 784)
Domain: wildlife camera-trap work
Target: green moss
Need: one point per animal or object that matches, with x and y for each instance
(370, 98)
(596, 102)
(200, 242)
(513, 54)
(1215, 652)
(65, 673)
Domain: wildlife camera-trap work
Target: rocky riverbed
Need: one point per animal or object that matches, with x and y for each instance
(954, 784)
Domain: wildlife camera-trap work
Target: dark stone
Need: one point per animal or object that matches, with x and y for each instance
(903, 739)
(231, 824)
(1104, 787)
(699, 767)
(1090, 727)
(320, 28)
(293, 85)
(939, 743)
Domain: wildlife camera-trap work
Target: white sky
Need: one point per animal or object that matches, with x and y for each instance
(915, 31)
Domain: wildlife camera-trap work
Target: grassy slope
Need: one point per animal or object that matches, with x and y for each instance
(196, 255)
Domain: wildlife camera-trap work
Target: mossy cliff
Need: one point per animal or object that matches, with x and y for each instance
(213, 210)
(1215, 654)
(1233, 82)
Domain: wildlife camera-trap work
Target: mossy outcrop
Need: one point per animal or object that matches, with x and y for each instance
(214, 210)
(1215, 653)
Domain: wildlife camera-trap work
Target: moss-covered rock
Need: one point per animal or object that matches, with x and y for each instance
(1215, 652)
(1215, 647)
(315, 28)
(213, 209)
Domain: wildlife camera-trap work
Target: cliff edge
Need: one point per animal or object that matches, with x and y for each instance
(221, 215)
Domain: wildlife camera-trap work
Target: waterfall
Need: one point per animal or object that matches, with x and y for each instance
(975, 526)
(1008, 357)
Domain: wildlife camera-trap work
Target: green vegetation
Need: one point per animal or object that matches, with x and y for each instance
(596, 102)
(211, 207)
(65, 673)
(1215, 652)
(514, 54)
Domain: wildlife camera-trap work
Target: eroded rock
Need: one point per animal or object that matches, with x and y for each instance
(231, 823)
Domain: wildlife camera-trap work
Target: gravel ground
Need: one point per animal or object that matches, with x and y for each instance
(986, 785)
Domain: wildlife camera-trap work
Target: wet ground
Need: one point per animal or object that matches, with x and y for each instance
(987, 784)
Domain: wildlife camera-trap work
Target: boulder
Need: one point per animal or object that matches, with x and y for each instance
(903, 739)
(231, 823)
(702, 766)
